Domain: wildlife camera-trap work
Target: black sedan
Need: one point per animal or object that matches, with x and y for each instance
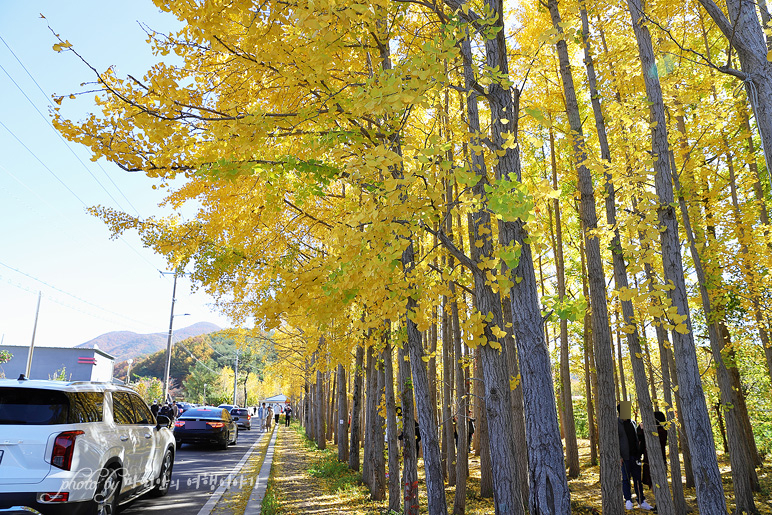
(206, 424)
(242, 417)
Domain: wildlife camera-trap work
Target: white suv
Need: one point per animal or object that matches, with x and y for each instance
(79, 447)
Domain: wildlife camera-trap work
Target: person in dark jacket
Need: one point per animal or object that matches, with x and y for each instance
(630, 455)
(662, 434)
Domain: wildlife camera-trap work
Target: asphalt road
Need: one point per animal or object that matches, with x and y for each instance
(198, 472)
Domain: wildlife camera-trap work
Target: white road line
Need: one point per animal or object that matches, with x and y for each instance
(215, 497)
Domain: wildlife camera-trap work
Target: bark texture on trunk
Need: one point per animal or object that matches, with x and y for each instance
(356, 408)
(395, 503)
(710, 492)
(409, 451)
(449, 460)
(656, 461)
(611, 487)
(342, 419)
(743, 472)
(321, 442)
(518, 409)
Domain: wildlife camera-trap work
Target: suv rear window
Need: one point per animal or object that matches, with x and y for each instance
(241, 412)
(32, 406)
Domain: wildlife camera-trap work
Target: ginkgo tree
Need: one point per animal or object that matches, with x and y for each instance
(366, 183)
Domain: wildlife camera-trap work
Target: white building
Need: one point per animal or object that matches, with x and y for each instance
(73, 363)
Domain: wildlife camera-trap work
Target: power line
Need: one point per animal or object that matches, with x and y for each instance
(68, 188)
(48, 122)
(70, 295)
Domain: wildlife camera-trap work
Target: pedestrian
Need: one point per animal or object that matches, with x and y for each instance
(630, 455)
(469, 430)
(261, 416)
(154, 408)
(166, 411)
(277, 413)
(287, 415)
(175, 409)
(268, 418)
(662, 434)
(417, 438)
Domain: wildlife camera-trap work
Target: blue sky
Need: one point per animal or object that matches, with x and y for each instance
(48, 242)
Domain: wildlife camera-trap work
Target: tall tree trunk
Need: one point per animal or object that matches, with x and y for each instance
(665, 353)
(743, 472)
(591, 380)
(656, 461)
(486, 472)
(549, 492)
(494, 363)
(611, 487)
(462, 457)
(744, 32)
(710, 492)
(321, 442)
(518, 409)
(378, 470)
(356, 408)
(447, 393)
(331, 425)
(762, 322)
(371, 407)
(395, 491)
(572, 447)
(409, 451)
(432, 365)
(342, 416)
(621, 364)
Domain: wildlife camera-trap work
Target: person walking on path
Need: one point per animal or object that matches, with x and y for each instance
(154, 408)
(662, 434)
(277, 413)
(268, 417)
(287, 415)
(261, 416)
(630, 455)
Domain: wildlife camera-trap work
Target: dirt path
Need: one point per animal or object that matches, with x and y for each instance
(296, 490)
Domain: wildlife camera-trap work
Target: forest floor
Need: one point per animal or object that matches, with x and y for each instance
(307, 480)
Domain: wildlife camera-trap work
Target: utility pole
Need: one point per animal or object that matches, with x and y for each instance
(169, 341)
(235, 377)
(128, 373)
(32, 343)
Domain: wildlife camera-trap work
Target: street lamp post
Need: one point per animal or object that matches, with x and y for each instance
(204, 394)
(169, 341)
(128, 373)
(169, 337)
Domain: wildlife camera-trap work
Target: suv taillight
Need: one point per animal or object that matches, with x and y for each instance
(64, 446)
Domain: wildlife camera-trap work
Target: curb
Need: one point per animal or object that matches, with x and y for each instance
(255, 502)
(217, 495)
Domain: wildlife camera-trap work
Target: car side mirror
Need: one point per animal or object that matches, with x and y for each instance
(162, 421)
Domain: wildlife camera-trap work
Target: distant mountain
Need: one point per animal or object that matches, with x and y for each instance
(126, 344)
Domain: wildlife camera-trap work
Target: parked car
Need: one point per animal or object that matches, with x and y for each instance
(79, 447)
(242, 417)
(228, 406)
(183, 407)
(206, 425)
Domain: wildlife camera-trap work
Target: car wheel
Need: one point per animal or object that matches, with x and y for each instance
(107, 492)
(225, 442)
(164, 476)
(235, 438)
(178, 444)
